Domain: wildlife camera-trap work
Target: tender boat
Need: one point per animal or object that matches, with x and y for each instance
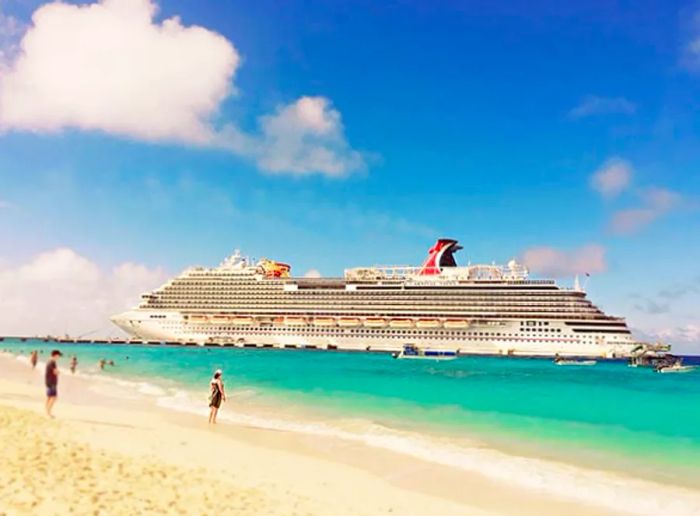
(401, 323)
(427, 323)
(375, 322)
(324, 321)
(565, 362)
(242, 321)
(678, 367)
(456, 323)
(349, 321)
(413, 352)
(295, 321)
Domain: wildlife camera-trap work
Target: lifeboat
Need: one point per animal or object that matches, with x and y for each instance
(241, 321)
(456, 323)
(324, 321)
(401, 323)
(219, 319)
(349, 321)
(375, 322)
(294, 321)
(198, 318)
(427, 323)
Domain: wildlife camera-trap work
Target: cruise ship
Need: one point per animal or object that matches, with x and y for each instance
(479, 309)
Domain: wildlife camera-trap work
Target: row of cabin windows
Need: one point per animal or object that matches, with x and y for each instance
(460, 310)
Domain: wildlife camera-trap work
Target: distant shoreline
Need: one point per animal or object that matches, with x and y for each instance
(300, 347)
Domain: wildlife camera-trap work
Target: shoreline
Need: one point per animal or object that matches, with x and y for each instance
(367, 480)
(388, 463)
(133, 341)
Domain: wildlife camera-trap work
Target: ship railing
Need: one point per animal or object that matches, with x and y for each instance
(469, 272)
(383, 272)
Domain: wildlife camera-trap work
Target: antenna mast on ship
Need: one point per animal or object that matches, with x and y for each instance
(577, 284)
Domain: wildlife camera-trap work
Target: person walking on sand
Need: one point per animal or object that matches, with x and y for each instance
(73, 364)
(33, 358)
(51, 378)
(216, 396)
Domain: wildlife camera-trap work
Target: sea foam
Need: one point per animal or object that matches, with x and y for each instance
(598, 488)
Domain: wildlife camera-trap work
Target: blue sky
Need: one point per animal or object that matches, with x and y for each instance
(468, 120)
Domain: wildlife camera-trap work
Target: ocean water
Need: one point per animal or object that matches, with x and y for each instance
(529, 416)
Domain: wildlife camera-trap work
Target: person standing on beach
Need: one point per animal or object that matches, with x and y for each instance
(51, 378)
(33, 358)
(216, 396)
(73, 364)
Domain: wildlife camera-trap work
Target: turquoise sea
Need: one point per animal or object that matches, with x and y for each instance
(608, 417)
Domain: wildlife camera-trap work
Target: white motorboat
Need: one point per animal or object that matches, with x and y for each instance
(564, 362)
(413, 352)
(675, 368)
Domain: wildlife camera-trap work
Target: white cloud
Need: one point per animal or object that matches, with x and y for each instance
(661, 199)
(556, 263)
(612, 178)
(305, 136)
(11, 29)
(592, 105)
(110, 67)
(312, 273)
(626, 222)
(60, 291)
(690, 55)
(652, 307)
(656, 202)
(689, 333)
(693, 53)
(684, 338)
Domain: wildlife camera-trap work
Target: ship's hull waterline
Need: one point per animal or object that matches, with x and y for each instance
(478, 309)
(368, 338)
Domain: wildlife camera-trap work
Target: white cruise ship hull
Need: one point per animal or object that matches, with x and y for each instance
(505, 339)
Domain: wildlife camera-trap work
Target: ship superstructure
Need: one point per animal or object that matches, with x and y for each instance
(486, 309)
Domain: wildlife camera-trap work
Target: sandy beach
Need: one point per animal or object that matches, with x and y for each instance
(108, 455)
(113, 456)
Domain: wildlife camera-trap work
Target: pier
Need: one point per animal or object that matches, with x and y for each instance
(649, 355)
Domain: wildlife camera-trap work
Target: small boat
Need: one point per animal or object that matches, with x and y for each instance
(401, 323)
(324, 321)
(241, 321)
(427, 323)
(413, 352)
(375, 322)
(349, 321)
(294, 321)
(456, 323)
(564, 362)
(219, 319)
(198, 318)
(677, 367)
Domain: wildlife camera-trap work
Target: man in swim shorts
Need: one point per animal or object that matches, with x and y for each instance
(51, 380)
